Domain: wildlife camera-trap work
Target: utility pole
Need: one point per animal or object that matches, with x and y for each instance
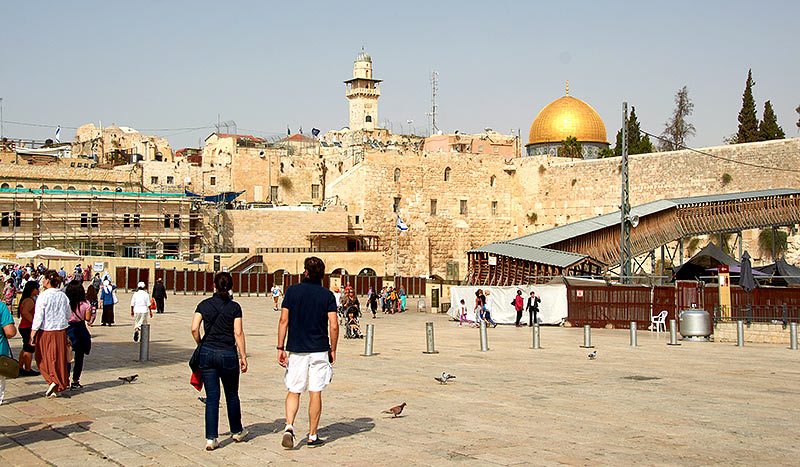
(625, 208)
(434, 88)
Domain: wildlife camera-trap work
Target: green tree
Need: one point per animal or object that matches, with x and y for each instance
(606, 152)
(637, 142)
(570, 147)
(765, 242)
(678, 129)
(769, 127)
(748, 121)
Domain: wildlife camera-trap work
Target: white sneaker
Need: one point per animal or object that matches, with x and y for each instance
(51, 390)
(238, 437)
(211, 444)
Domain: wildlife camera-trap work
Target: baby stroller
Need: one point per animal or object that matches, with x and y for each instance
(352, 326)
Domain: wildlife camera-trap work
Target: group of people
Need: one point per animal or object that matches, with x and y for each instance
(484, 305)
(308, 332)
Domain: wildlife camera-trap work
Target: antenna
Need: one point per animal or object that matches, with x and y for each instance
(434, 88)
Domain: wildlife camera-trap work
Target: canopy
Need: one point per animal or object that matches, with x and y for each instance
(5, 261)
(225, 197)
(48, 253)
(711, 256)
(782, 273)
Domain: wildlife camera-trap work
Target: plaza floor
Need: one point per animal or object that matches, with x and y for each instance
(697, 403)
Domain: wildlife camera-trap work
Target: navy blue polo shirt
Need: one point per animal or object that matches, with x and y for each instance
(309, 304)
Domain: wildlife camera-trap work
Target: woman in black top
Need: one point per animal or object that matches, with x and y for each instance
(223, 335)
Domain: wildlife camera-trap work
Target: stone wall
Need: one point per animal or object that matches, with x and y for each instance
(83, 179)
(271, 228)
(761, 333)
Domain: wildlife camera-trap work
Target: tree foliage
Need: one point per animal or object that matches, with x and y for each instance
(570, 147)
(765, 242)
(748, 121)
(637, 142)
(798, 116)
(678, 129)
(769, 128)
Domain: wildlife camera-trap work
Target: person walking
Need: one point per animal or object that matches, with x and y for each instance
(276, 295)
(7, 331)
(373, 303)
(309, 316)
(108, 298)
(77, 332)
(140, 309)
(96, 281)
(402, 293)
(27, 305)
(533, 308)
(91, 297)
(488, 306)
(50, 334)
(223, 335)
(159, 295)
(519, 306)
(9, 293)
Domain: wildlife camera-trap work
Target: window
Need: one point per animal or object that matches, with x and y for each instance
(159, 156)
(212, 180)
(167, 221)
(4, 185)
(118, 190)
(84, 220)
(72, 164)
(126, 220)
(496, 149)
(396, 205)
(480, 148)
(71, 188)
(44, 187)
(154, 180)
(494, 208)
(57, 187)
(314, 191)
(170, 179)
(433, 207)
(396, 175)
(357, 219)
(462, 208)
(5, 219)
(369, 118)
(136, 221)
(273, 194)
(95, 220)
(20, 187)
(176, 221)
(492, 180)
(105, 188)
(447, 174)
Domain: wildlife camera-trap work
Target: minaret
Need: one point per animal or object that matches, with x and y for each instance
(363, 92)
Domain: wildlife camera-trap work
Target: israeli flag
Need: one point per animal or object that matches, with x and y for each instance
(58, 134)
(401, 226)
(315, 131)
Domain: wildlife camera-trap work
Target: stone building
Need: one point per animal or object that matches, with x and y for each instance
(363, 92)
(489, 143)
(119, 145)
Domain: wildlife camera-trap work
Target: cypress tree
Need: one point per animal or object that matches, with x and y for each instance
(769, 127)
(637, 144)
(748, 121)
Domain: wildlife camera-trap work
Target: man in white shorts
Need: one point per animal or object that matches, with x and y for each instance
(276, 294)
(307, 313)
(140, 309)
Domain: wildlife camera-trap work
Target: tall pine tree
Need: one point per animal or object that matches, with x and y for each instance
(769, 127)
(748, 121)
(637, 144)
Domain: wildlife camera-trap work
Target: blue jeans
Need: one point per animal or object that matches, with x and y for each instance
(216, 365)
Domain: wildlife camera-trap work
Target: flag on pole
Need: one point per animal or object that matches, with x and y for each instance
(288, 131)
(401, 226)
(58, 134)
(315, 132)
(301, 130)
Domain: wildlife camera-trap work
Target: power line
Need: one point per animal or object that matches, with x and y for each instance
(683, 146)
(42, 125)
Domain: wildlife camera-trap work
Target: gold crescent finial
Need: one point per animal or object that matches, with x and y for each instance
(568, 87)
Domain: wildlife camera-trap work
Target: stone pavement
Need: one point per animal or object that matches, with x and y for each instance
(699, 403)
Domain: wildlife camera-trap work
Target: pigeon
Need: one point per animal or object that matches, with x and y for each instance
(396, 410)
(202, 399)
(445, 376)
(128, 379)
(592, 355)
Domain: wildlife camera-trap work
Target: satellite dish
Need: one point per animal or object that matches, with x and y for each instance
(634, 220)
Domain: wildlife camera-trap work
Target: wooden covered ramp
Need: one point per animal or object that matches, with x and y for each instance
(592, 246)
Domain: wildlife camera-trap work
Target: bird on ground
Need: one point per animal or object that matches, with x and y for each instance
(592, 355)
(128, 379)
(396, 410)
(445, 376)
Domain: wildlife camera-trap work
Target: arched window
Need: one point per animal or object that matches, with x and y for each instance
(492, 180)
(369, 118)
(71, 188)
(20, 187)
(44, 187)
(447, 174)
(396, 175)
(105, 188)
(118, 190)
(57, 187)
(4, 185)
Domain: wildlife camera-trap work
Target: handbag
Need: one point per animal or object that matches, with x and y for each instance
(9, 367)
(114, 297)
(152, 303)
(194, 362)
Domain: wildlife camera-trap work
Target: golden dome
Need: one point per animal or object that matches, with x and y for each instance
(565, 117)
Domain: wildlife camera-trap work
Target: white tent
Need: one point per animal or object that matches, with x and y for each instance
(552, 309)
(48, 254)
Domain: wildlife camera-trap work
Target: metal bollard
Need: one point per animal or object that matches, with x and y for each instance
(793, 335)
(633, 333)
(587, 337)
(536, 337)
(740, 333)
(144, 343)
(484, 337)
(429, 337)
(368, 341)
(673, 332)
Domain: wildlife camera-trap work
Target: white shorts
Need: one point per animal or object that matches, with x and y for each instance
(310, 371)
(139, 319)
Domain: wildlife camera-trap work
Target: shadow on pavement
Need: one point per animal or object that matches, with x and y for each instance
(261, 429)
(22, 435)
(340, 430)
(65, 394)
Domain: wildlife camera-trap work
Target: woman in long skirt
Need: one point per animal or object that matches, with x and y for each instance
(107, 299)
(50, 329)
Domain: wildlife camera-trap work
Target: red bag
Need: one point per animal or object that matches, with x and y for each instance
(153, 304)
(197, 381)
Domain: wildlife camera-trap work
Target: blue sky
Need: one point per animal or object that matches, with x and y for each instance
(167, 65)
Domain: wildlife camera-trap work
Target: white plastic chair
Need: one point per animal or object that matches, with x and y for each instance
(659, 321)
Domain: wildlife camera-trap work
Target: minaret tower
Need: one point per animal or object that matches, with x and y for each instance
(363, 93)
